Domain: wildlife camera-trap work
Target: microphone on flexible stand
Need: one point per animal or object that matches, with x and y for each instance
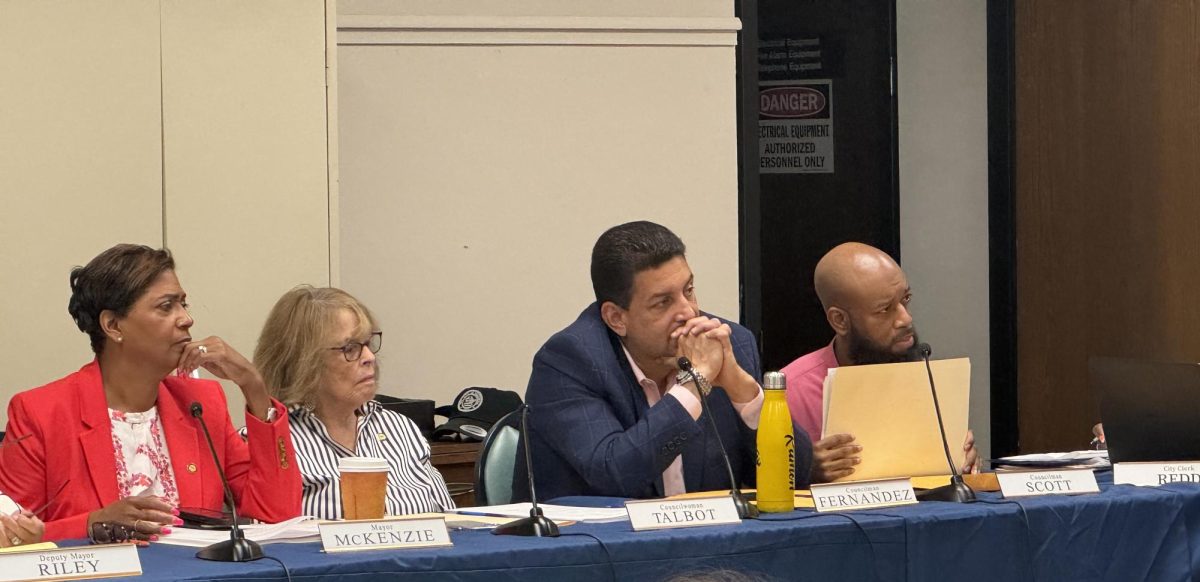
(744, 509)
(237, 548)
(537, 524)
(957, 491)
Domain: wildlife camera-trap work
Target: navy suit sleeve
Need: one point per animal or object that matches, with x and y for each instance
(583, 409)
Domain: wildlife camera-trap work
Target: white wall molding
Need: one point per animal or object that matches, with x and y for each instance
(537, 30)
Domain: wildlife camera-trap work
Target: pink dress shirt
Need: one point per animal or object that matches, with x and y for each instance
(673, 477)
(806, 388)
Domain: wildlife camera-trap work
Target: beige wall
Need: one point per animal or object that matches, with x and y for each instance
(198, 126)
(944, 183)
(482, 155)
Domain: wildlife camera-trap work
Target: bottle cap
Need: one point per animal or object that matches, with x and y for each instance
(774, 381)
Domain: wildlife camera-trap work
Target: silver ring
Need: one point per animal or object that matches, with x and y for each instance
(16, 541)
(202, 349)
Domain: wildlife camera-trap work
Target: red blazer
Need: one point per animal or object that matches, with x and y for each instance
(71, 442)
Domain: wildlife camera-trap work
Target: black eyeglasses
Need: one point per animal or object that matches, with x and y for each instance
(353, 350)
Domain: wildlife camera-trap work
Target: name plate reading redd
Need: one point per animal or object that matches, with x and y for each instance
(1060, 482)
(1155, 474)
(102, 561)
(380, 534)
(673, 513)
(863, 494)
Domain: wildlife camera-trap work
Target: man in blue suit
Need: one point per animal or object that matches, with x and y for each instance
(610, 412)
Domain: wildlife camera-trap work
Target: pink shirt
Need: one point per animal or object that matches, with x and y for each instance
(806, 388)
(673, 477)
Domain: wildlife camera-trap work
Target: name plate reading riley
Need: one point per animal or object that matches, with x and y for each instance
(1155, 474)
(863, 494)
(104, 561)
(673, 513)
(1058, 482)
(380, 534)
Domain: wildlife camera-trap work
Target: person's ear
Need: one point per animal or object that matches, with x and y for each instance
(110, 324)
(614, 317)
(839, 320)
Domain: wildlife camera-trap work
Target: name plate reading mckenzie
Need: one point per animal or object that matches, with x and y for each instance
(1155, 474)
(673, 513)
(1060, 482)
(380, 534)
(863, 494)
(102, 561)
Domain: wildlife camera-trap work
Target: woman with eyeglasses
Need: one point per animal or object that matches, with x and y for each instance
(114, 451)
(317, 354)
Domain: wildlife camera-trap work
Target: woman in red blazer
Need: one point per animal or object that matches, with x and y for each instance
(114, 446)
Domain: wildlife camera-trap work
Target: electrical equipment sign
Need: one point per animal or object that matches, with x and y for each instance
(795, 127)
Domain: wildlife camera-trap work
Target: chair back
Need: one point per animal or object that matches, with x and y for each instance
(497, 460)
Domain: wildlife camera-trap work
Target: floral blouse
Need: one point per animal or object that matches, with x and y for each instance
(143, 461)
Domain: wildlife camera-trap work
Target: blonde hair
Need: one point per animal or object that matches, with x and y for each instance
(291, 349)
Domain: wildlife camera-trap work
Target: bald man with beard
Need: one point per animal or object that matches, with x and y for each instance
(865, 296)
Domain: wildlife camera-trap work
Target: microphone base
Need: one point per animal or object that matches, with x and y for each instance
(534, 525)
(238, 549)
(956, 492)
(745, 509)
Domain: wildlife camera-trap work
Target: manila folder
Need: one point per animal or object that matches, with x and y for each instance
(889, 410)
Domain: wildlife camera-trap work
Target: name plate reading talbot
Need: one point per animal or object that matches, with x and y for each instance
(1056, 482)
(673, 513)
(380, 534)
(1155, 474)
(103, 561)
(863, 494)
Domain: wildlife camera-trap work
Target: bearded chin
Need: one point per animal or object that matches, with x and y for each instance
(864, 351)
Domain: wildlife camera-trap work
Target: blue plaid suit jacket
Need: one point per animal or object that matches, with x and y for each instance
(593, 432)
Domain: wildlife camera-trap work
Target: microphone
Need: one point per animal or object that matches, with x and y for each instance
(957, 491)
(537, 524)
(237, 548)
(744, 509)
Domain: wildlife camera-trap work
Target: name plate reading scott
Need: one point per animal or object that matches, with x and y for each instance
(1058, 482)
(1155, 474)
(380, 534)
(863, 494)
(673, 513)
(104, 561)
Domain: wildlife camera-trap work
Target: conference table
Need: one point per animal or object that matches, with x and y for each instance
(1123, 533)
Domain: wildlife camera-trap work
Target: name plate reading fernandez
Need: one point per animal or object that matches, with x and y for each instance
(1060, 482)
(863, 494)
(673, 513)
(1155, 474)
(380, 534)
(104, 561)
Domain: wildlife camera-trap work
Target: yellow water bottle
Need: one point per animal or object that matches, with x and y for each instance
(776, 448)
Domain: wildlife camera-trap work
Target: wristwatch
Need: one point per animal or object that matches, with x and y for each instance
(702, 383)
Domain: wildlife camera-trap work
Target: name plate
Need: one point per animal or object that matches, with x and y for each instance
(1155, 474)
(863, 494)
(1060, 482)
(380, 534)
(102, 561)
(673, 513)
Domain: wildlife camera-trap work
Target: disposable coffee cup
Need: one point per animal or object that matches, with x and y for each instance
(364, 487)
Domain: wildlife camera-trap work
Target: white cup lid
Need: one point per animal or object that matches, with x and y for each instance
(362, 464)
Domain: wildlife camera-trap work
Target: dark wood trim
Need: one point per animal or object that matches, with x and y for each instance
(749, 192)
(1002, 227)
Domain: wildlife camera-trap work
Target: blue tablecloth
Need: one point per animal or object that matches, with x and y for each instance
(1124, 533)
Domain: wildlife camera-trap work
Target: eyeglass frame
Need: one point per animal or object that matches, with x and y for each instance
(352, 350)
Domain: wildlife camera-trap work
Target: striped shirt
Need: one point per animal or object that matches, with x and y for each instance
(414, 485)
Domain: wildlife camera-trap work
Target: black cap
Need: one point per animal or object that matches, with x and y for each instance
(474, 412)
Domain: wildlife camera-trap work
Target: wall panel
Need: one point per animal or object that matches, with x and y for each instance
(80, 161)
(481, 157)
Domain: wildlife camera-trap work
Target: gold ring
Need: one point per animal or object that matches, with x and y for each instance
(135, 524)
